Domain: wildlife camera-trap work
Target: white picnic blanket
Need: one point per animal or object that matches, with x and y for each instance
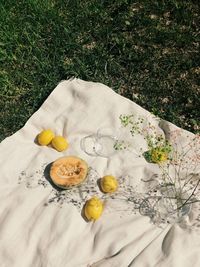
(41, 227)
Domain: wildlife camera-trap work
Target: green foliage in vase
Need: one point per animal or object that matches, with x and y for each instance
(179, 164)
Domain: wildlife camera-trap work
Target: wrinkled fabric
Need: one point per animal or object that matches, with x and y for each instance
(33, 234)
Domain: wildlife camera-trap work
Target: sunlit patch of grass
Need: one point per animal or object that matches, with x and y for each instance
(146, 50)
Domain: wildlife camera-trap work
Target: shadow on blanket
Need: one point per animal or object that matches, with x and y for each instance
(48, 177)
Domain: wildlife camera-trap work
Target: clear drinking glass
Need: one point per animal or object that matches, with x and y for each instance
(102, 143)
(105, 142)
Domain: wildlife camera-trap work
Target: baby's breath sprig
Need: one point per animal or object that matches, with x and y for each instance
(133, 123)
(120, 145)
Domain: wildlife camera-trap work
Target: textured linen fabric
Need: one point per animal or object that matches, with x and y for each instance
(36, 235)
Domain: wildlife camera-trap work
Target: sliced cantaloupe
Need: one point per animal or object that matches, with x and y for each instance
(68, 171)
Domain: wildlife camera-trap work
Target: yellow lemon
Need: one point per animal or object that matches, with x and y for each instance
(59, 143)
(93, 208)
(158, 155)
(45, 137)
(109, 184)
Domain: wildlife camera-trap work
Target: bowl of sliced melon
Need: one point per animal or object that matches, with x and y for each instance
(69, 171)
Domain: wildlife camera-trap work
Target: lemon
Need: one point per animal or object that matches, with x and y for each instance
(59, 143)
(93, 208)
(109, 184)
(158, 155)
(45, 137)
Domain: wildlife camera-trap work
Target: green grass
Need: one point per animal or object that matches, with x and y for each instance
(146, 50)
